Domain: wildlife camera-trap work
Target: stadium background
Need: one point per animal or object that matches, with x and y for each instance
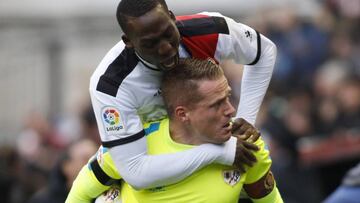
(310, 116)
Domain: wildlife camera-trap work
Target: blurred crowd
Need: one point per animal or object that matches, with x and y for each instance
(313, 98)
(46, 158)
(311, 115)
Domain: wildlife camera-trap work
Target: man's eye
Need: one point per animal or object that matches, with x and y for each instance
(217, 104)
(149, 45)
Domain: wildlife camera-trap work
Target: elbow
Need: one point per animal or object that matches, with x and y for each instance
(271, 50)
(274, 49)
(269, 54)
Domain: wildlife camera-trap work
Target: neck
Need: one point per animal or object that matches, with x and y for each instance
(180, 133)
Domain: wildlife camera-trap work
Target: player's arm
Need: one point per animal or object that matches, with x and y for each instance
(260, 184)
(96, 177)
(86, 187)
(247, 46)
(126, 141)
(264, 190)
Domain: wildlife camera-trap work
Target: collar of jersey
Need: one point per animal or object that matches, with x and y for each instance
(147, 64)
(183, 53)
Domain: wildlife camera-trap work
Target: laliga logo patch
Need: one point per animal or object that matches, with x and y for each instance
(231, 177)
(111, 120)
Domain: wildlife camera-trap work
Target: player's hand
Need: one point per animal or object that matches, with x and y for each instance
(245, 131)
(244, 154)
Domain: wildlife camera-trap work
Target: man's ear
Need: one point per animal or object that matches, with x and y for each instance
(172, 15)
(127, 41)
(182, 114)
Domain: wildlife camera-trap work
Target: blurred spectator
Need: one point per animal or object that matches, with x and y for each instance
(349, 190)
(38, 146)
(289, 119)
(348, 96)
(9, 168)
(345, 8)
(315, 96)
(65, 171)
(325, 87)
(302, 47)
(90, 128)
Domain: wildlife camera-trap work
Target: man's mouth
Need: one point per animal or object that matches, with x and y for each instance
(170, 63)
(228, 125)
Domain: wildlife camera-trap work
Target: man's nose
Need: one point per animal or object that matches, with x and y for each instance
(230, 110)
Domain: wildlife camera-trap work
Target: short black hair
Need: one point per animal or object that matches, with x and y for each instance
(135, 8)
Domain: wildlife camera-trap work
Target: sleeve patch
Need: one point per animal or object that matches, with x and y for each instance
(112, 120)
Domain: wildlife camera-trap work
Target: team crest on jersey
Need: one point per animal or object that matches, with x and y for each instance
(112, 120)
(231, 177)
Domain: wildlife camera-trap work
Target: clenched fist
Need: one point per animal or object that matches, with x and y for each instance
(241, 128)
(246, 135)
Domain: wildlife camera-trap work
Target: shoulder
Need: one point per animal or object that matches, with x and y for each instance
(118, 63)
(202, 24)
(152, 127)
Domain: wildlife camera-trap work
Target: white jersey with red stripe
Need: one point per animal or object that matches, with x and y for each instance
(125, 92)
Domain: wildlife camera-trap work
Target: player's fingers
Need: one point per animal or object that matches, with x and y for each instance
(255, 136)
(245, 159)
(246, 135)
(249, 157)
(252, 135)
(240, 167)
(244, 155)
(251, 146)
(245, 127)
(236, 128)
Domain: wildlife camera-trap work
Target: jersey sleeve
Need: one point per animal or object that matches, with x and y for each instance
(263, 164)
(246, 46)
(142, 171)
(117, 119)
(121, 131)
(85, 187)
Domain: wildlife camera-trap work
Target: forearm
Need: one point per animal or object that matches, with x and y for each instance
(85, 188)
(273, 197)
(143, 171)
(255, 81)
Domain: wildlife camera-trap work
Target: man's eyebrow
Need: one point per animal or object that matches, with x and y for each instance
(153, 38)
(228, 92)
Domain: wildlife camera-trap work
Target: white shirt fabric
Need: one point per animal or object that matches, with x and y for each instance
(124, 92)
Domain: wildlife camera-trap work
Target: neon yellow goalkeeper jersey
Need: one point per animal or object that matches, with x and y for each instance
(212, 184)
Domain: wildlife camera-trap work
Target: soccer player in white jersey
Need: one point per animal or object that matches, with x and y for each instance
(196, 95)
(125, 92)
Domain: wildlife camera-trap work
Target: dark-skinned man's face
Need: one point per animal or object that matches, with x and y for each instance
(155, 37)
